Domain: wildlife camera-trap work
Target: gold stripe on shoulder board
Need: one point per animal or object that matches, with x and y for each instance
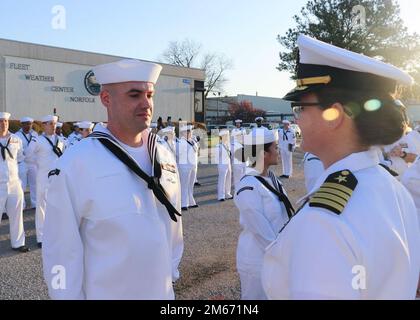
(335, 192)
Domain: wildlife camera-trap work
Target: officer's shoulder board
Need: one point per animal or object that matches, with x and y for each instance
(335, 192)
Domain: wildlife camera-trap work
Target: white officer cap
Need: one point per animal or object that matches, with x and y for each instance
(238, 121)
(259, 136)
(259, 119)
(26, 119)
(324, 65)
(59, 124)
(49, 118)
(127, 70)
(223, 132)
(286, 122)
(5, 115)
(85, 125)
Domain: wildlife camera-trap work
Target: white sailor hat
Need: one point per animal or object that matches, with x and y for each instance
(76, 124)
(285, 122)
(26, 119)
(59, 124)
(186, 128)
(259, 119)
(127, 70)
(86, 125)
(323, 65)
(223, 132)
(49, 118)
(5, 115)
(153, 125)
(168, 130)
(259, 136)
(238, 121)
(417, 128)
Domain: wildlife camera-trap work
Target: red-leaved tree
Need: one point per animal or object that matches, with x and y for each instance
(245, 111)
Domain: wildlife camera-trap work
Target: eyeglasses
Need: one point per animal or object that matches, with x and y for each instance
(298, 107)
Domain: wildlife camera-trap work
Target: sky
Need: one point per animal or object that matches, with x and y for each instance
(244, 31)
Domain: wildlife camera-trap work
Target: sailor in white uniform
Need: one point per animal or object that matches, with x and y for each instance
(46, 149)
(85, 129)
(312, 170)
(264, 209)
(59, 132)
(187, 158)
(109, 221)
(224, 181)
(238, 130)
(27, 173)
(287, 144)
(75, 135)
(168, 140)
(238, 162)
(11, 193)
(357, 235)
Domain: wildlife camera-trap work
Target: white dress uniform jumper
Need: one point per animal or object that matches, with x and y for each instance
(187, 161)
(262, 215)
(11, 193)
(46, 150)
(287, 142)
(28, 174)
(224, 181)
(112, 224)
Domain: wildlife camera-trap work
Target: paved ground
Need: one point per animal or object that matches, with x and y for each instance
(210, 234)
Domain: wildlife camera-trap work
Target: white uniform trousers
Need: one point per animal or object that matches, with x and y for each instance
(238, 173)
(11, 198)
(287, 162)
(41, 188)
(187, 185)
(251, 286)
(28, 177)
(224, 181)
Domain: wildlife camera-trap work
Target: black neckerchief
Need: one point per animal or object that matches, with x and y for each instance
(192, 144)
(277, 190)
(55, 147)
(6, 148)
(30, 137)
(285, 138)
(153, 182)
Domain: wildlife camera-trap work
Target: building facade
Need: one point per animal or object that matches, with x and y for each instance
(36, 80)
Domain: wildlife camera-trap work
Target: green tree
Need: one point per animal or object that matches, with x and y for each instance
(371, 27)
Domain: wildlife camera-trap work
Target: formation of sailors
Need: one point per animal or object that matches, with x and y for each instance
(31, 156)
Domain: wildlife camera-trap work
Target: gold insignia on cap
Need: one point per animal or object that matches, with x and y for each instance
(335, 193)
(313, 80)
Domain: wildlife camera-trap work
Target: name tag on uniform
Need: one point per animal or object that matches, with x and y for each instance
(168, 167)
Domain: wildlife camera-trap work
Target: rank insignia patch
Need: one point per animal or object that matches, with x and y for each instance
(335, 193)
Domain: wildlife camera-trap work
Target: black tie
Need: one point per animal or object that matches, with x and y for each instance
(4, 148)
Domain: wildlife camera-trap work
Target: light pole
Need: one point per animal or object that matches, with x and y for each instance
(217, 105)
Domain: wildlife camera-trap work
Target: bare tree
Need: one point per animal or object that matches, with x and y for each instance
(215, 66)
(186, 54)
(182, 53)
